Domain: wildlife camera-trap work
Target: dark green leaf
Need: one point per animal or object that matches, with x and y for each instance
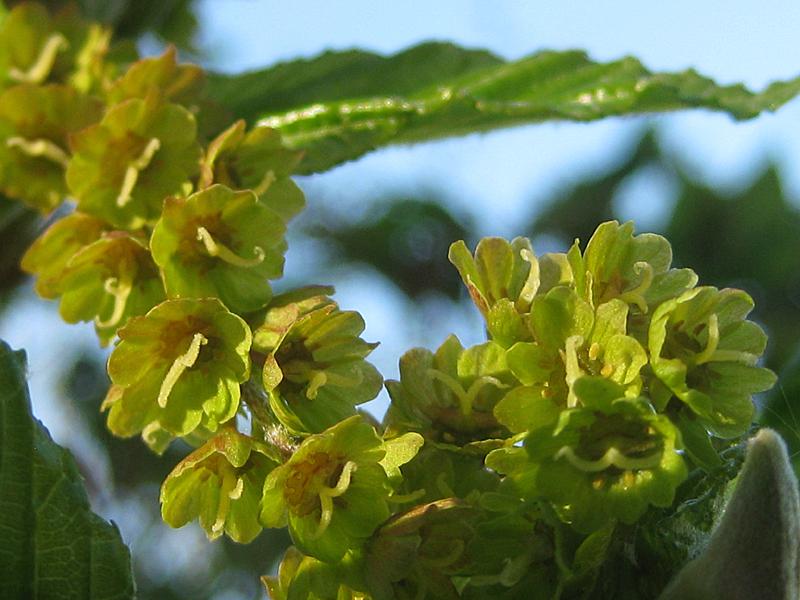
(340, 105)
(51, 544)
(336, 76)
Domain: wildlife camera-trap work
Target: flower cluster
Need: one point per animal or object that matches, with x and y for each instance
(500, 470)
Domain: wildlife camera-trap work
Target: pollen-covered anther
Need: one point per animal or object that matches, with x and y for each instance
(181, 363)
(41, 67)
(221, 251)
(39, 148)
(134, 169)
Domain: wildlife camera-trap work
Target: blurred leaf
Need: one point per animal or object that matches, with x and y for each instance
(781, 410)
(439, 90)
(52, 545)
(406, 243)
(575, 212)
(169, 20)
(18, 227)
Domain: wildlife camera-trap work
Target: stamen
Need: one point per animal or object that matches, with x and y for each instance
(95, 46)
(344, 481)
(265, 183)
(465, 398)
(231, 489)
(636, 295)
(318, 380)
(326, 504)
(455, 387)
(236, 492)
(134, 168)
(611, 458)
(572, 367)
(183, 362)
(119, 289)
(326, 496)
(532, 282)
(713, 341)
(222, 252)
(476, 387)
(39, 148)
(43, 64)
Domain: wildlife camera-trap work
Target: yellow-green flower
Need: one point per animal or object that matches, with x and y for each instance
(36, 48)
(176, 369)
(609, 459)
(257, 161)
(220, 484)
(48, 255)
(109, 281)
(35, 125)
(123, 168)
(314, 368)
(705, 352)
(333, 492)
(220, 243)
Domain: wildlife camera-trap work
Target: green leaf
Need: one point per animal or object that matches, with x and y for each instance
(339, 106)
(334, 76)
(52, 545)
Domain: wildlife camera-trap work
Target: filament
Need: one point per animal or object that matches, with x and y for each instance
(221, 251)
(326, 496)
(231, 489)
(611, 458)
(265, 183)
(134, 168)
(713, 341)
(183, 362)
(43, 64)
(119, 289)
(449, 558)
(39, 148)
(465, 398)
